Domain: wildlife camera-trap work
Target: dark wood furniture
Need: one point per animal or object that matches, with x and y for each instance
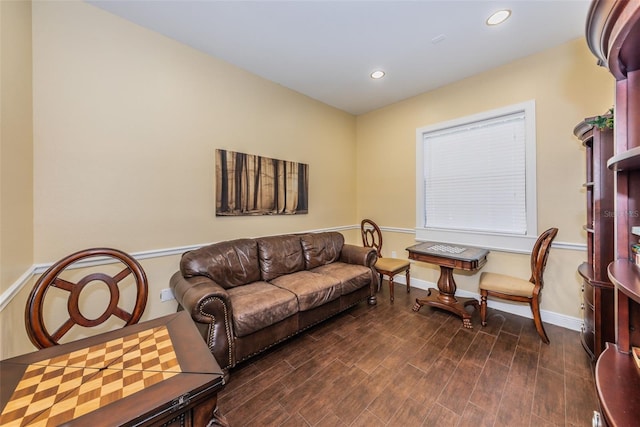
(390, 267)
(448, 257)
(597, 290)
(54, 277)
(150, 374)
(613, 35)
(520, 290)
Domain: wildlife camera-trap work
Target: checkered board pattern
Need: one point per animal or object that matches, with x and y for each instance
(447, 249)
(57, 390)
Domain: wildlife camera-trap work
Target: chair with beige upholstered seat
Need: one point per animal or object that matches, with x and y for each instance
(517, 289)
(390, 267)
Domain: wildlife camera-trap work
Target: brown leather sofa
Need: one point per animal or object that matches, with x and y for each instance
(246, 295)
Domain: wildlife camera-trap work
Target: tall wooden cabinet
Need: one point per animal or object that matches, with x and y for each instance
(613, 35)
(597, 290)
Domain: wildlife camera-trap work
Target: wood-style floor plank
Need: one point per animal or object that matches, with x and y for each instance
(475, 417)
(504, 348)
(389, 366)
(548, 399)
(488, 392)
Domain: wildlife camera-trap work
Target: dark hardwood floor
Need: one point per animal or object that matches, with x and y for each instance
(389, 366)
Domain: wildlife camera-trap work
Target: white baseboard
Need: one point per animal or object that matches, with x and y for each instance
(523, 310)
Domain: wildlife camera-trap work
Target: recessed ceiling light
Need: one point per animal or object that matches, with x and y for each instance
(378, 74)
(499, 17)
(438, 38)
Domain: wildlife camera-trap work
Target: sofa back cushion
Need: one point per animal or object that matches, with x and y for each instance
(279, 255)
(232, 263)
(321, 248)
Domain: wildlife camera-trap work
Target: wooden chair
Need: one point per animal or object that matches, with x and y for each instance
(516, 289)
(35, 324)
(390, 267)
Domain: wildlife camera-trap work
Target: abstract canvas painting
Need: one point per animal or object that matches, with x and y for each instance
(247, 184)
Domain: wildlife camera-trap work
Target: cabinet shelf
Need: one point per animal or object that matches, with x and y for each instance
(627, 160)
(613, 35)
(597, 292)
(586, 271)
(626, 276)
(620, 399)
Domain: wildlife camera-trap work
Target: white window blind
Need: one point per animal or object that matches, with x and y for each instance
(475, 176)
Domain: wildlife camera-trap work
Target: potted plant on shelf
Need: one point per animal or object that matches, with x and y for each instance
(604, 121)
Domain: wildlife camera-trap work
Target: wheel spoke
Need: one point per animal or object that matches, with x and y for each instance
(63, 284)
(63, 329)
(124, 273)
(122, 314)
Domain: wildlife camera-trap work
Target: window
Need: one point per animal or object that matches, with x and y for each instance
(476, 180)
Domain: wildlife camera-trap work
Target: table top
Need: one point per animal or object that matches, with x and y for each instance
(117, 377)
(448, 250)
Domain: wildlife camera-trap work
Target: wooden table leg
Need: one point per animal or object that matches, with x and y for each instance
(207, 414)
(218, 419)
(445, 299)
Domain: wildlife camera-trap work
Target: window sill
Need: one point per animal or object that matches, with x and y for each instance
(496, 242)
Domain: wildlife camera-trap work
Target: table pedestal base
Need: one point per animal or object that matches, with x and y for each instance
(445, 299)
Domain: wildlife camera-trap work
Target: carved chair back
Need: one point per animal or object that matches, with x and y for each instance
(371, 235)
(52, 278)
(539, 256)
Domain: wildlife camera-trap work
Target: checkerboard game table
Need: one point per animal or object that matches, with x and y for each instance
(449, 257)
(154, 373)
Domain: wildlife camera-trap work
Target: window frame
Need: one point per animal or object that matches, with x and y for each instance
(521, 243)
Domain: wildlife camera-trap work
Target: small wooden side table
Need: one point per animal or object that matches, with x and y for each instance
(448, 257)
(154, 373)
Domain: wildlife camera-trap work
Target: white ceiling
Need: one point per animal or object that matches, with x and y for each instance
(327, 49)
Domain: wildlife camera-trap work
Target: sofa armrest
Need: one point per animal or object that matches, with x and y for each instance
(353, 254)
(210, 307)
(360, 255)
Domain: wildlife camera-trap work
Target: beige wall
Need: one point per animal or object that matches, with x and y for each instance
(16, 162)
(126, 124)
(126, 121)
(567, 86)
(16, 142)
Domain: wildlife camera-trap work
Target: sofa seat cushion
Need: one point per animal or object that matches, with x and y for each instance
(351, 276)
(258, 305)
(312, 289)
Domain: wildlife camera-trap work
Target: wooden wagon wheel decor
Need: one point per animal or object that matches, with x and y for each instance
(35, 325)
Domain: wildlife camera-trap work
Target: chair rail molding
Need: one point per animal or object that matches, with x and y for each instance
(7, 296)
(36, 269)
(12, 291)
(570, 246)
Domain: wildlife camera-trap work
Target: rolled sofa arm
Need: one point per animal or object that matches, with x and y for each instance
(209, 306)
(360, 255)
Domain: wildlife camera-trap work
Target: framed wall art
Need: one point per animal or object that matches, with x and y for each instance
(247, 184)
